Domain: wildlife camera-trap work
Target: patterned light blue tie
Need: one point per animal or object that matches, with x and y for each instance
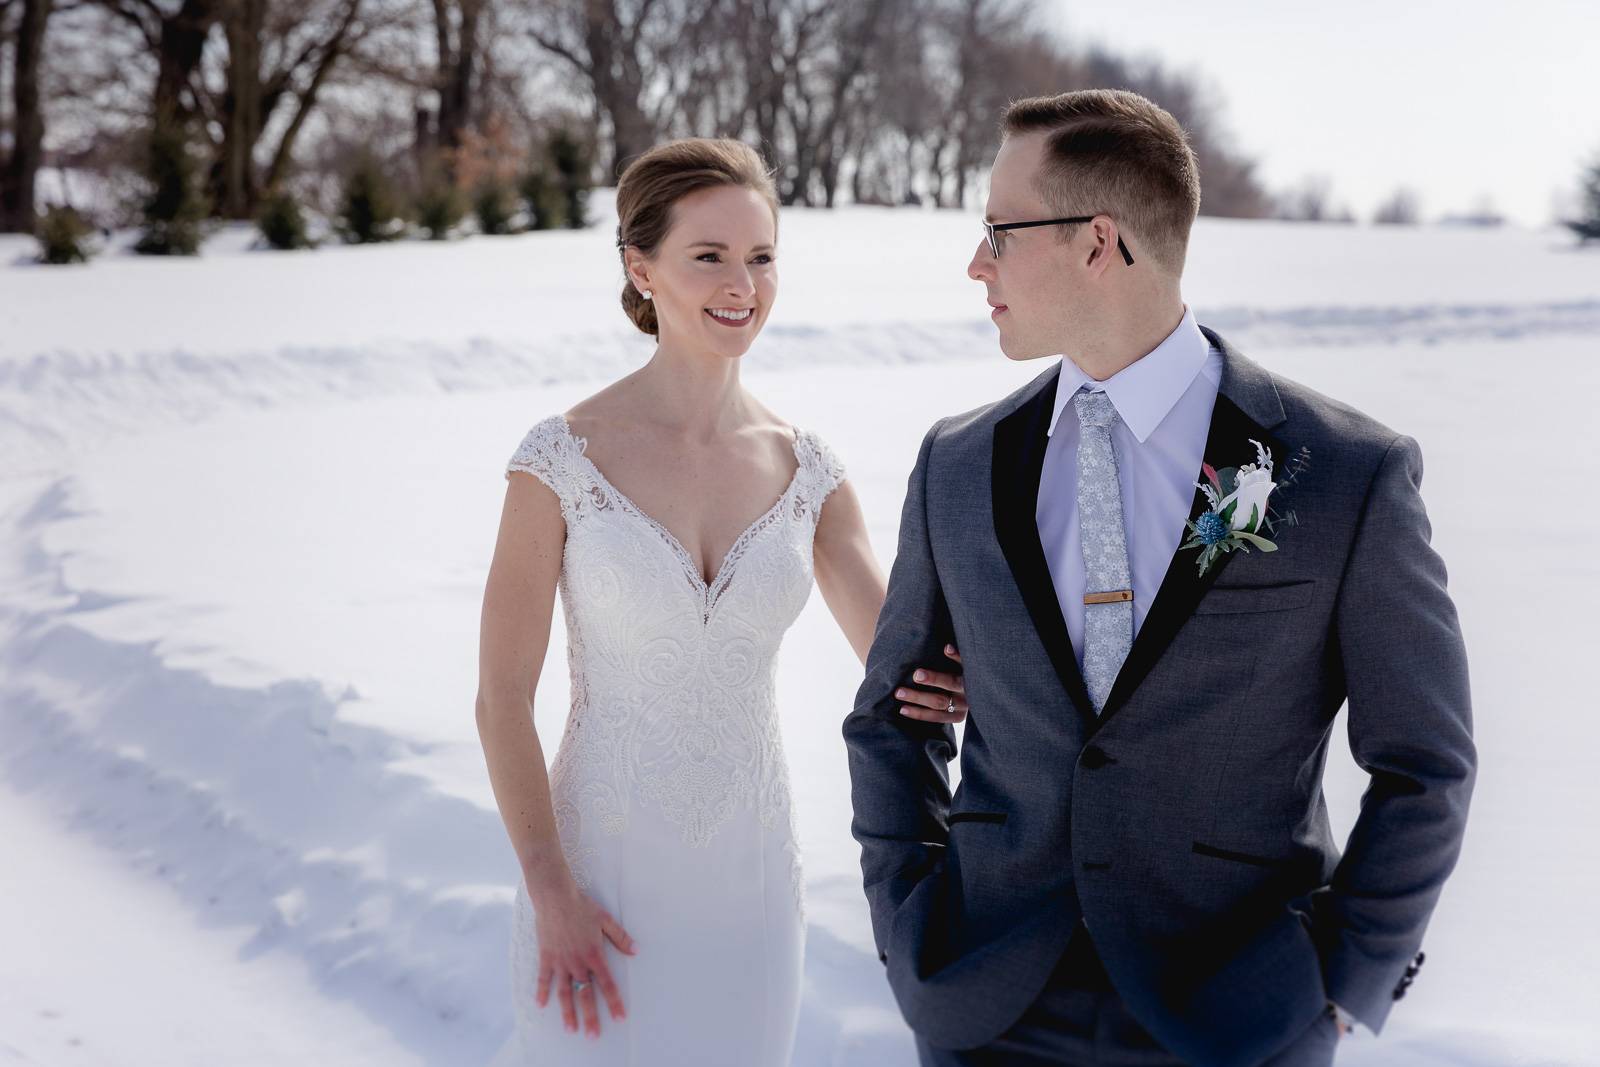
(1108, 592)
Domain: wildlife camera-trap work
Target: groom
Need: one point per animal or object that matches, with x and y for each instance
(1137, 867)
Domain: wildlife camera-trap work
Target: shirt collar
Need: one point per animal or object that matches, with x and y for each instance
(1145, 390)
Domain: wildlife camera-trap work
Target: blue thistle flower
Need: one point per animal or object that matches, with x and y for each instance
(1210, 528)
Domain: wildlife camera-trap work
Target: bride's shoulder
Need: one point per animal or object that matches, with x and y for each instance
(590, 415)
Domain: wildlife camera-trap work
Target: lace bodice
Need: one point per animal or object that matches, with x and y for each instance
(672, 679)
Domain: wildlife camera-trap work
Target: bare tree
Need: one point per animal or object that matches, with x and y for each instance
(711, 70)
(456, 25)
(611, 44)
(178, 40)
(816, 97)
(19, 167)
(233, 178)
(1585, 221)
(279, 57)
(1401, 209)
(891, 99)
(775, 38)
(987, 35)
(1310, 201)
(897, 108)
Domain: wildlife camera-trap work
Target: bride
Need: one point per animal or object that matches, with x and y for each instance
(682, 521)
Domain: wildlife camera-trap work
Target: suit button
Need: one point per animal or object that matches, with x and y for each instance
(1095, 757)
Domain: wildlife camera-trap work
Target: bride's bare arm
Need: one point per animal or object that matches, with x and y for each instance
(514, 631)
(852, 583)
(853, 586)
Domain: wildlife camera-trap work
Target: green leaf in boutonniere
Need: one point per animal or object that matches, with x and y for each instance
(1217, 530)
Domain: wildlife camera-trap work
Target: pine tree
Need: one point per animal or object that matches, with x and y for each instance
(440, 204)
(175, 205)
(371, 210)
(547, 205)
(570, 161)
(61, 233)
(494, 204)
(1587, 225)
(282, 223)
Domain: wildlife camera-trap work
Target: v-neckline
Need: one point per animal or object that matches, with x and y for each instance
(690, 564)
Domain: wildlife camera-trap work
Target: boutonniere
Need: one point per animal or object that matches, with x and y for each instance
(1239, 509)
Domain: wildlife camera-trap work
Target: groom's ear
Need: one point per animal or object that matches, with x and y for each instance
(1104, 248)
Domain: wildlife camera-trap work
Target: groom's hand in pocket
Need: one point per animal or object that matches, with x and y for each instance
(932, 701)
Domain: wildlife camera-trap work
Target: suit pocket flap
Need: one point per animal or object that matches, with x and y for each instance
(1204, 849)
(1228, 599)
(976, 816)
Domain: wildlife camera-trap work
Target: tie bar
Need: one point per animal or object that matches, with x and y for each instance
(1113, 596)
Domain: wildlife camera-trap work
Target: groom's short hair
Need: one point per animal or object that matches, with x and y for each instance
(1113, 152)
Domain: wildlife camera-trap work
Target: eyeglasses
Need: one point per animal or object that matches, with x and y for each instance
(990, 228)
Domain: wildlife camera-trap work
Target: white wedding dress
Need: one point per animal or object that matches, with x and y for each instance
(670, 789)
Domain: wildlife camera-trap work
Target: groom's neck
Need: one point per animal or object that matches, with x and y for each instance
(1121, 336)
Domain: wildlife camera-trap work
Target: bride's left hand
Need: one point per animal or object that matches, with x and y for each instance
(935, 706)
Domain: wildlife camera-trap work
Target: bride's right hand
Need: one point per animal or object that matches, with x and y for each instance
(572, 932)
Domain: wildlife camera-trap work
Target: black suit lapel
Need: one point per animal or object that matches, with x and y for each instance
(1244, 385)
(1018, 458)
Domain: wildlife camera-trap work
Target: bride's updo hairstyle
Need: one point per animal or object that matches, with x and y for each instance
(655, 181)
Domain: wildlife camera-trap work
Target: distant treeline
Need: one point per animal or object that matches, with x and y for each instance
(869, 101)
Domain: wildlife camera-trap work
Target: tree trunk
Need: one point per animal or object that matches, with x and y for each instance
(766, 81)
(234, 179)
(618, 82)
(936, 156)
(183, 41)
(252, 99)
(828, 170)
(19, 172)
(458, 58)
(307, 99)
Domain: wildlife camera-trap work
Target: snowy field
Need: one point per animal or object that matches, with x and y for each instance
(248, 503)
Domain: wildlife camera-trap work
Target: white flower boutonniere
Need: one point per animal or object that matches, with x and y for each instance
(1238, 499)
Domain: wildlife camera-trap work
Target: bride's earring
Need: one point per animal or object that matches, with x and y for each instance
(645, 294)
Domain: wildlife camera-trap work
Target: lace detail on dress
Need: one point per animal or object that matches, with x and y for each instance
(825, 469)
(546, 453)
(607, 495)
(673, 680)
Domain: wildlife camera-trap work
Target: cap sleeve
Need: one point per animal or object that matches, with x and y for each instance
(825, 468)
(546, 453)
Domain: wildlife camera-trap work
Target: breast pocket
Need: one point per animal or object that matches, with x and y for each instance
(1234, 599)
(995, 817)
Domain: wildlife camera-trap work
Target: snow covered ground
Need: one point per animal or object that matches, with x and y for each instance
(248, 502)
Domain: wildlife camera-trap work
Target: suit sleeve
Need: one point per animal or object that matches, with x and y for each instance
(899, 779)
(1410, 728)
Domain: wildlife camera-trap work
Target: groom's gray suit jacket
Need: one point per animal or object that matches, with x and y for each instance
(1186, 824)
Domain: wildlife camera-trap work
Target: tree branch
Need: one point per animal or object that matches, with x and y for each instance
(549, 44)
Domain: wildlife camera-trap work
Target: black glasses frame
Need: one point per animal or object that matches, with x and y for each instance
(989, 228)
